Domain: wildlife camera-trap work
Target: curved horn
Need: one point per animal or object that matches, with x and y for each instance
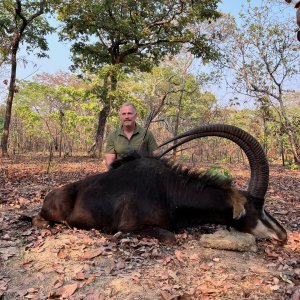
(298, 13)
(259, 166)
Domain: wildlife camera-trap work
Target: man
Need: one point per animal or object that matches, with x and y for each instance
(129, 137)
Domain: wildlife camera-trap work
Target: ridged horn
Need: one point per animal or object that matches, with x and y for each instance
(259, 166)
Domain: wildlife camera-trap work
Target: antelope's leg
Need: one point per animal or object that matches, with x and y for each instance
(163, 235)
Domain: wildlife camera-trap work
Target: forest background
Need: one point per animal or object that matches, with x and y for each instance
(175, 60)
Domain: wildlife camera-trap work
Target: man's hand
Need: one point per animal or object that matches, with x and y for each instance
(109, 158)
(156, 153)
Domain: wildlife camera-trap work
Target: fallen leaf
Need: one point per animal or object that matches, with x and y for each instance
(61, 254)
(45, 232)
(31, 296)
(167, 260)
(257, 281)
(94, 296)
(66, 291)
(205, 267)
(91, 254)
(173, 274)
(155, 252)
(207, 290)
(8, 252)
(274, 287)
(166, 287)
(59, 269)
(22, 293)
(136, 276)
(120, 264)
(296, 295)
(40, 276)
(80, 276)
(125, 241)
(27, 265)
(194, 257)
(167, 296)
(179, 255)
(32, 290)
(27, 232)
(275, 280)
(37, 249)
(176, 287)
(191, 291)
(90, 280)
(3, 285)
(58, 283)
(109, 269)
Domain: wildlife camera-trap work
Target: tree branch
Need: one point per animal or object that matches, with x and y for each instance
(39, 12)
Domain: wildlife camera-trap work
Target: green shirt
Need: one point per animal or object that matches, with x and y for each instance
(118, 143)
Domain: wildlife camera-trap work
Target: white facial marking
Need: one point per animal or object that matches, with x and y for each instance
(262, 231)
(242, 213)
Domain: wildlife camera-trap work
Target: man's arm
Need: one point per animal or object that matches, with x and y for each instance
(109, 158)
(109, 153)
(152, 144)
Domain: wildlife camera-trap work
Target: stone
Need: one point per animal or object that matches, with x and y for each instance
(229, 240)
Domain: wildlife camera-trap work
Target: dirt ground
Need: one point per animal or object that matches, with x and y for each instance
(64, 263)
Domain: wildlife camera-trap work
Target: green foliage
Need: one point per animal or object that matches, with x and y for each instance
(49, 112)
(264, 58)
(166, 82)
(292, 165)
(219, 172)
(69, 110)
(135, 34)
(100, 93)
(30, 107)
(32, 32)
(185, 157)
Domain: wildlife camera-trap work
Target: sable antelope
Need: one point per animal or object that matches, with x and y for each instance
(153, 197)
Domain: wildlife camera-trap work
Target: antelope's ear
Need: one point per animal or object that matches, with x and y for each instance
(297, 5)
(238, 202)
(288, 1)
(238, 211)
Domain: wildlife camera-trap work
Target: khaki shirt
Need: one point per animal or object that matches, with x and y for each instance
(118, 143)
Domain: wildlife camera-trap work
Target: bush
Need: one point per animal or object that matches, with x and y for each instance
(219, 172)
(292, 165)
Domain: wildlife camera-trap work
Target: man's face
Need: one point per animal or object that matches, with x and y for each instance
(127, 115)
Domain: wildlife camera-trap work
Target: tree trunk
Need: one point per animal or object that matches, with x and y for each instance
(293, 145)
(17, 35)
(177, 118)
(100, 130)
(104, 113)
(61, 125)
(10, 97)
(282, 151)
(266, 135)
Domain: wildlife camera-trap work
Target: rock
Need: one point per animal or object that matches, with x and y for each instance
(229, 240)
